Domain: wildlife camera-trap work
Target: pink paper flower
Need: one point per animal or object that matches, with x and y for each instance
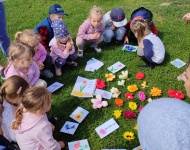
(129, 114)
(140, 75)
(129, 96)
(98, 103)
(141, 96)
(100, 84)
(176, 94)
(140, 108)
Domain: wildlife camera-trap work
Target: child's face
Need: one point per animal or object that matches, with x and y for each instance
(63, 41)
(56, 17)
(24, 62)
(95, 20)
(35, 44)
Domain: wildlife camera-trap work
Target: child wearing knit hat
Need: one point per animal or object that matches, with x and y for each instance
(62, 51)
(164, 125)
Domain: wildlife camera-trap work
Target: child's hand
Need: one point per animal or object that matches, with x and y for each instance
(62, 144)
(113, 27)
(126, 39)
(69, 46)
(96, 35)
(141, 45)
(187, 16)
(40, 65)
(53, 127)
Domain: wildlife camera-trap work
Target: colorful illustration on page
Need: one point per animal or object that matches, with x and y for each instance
(79, 145)
(55, 86)
(116, 67)
(130, 48)
(69, 127)
(79, 114)
(178, 63)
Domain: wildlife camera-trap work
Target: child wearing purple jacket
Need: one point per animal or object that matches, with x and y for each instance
(91, 31)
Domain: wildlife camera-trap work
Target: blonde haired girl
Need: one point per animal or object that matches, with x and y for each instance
(43, 60)
(21, 63)
(91, 31)
(151, 49)
(11, 93)
(31, 126)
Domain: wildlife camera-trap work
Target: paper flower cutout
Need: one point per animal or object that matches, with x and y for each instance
(132, 88)
(136, 127)
(129, 114)
(144, 85)
(117, 113)
(141, 96)
(110, 77)
(141, 108)
(129, 136)
(124, 75)
(129, 96)
(150, 100)
(98, 103)
(176, 94)
(115, 92)
(140, 75)
(155, 91)
(121, 83)
(119, 102)
(100, 84)
(132, 105)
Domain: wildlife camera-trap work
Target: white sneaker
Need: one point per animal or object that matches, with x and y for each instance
(96, 48)
(80, 53)
(47, 73)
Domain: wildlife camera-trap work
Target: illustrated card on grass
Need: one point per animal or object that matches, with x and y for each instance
(103, 93)
(79, 114)
(55, 86)
(84, 87)
(178, 63)
(138, 148)
(116, 67)
(69, 127)
(93, 65)
(114, 149)
(107, 128)
(130, 48)
(79, 145)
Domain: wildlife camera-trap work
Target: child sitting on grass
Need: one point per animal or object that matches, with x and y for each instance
(44, 28)
(63, 51)
(151, 49)
(91, 31)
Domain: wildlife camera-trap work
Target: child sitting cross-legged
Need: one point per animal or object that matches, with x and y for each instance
(62, 51)
(32, 129)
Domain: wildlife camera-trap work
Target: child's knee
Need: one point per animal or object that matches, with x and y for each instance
(41, 82)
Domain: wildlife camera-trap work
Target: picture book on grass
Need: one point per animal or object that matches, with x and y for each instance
(69, 127)
(116, 67)
(84, 87)
(107, 128)
(55, 86)
(178, 63)
(79, 145)
(129, 48)
(79, 114)
(93, 65)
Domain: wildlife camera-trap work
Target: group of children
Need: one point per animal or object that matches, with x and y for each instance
(24, 99)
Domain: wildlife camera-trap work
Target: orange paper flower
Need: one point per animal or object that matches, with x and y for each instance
(132, 88)
(155, 91)
(110, 77)
(119, 102)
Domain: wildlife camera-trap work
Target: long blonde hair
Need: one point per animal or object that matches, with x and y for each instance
(35, 100)
(26, 36)
(95, 10)
(16, 50)
(12, 89)
(141, 28)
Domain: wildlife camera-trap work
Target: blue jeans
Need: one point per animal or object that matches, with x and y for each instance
(118, 33)
(4, 38)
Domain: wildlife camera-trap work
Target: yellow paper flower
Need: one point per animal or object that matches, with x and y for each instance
(132, 88)
(144, 85)
(132, 105)
(110, 77)
(136, 127)
(129, 136)
(155, 91)
(117, 113)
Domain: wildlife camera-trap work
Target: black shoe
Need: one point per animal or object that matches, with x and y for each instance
(119, 42)
(2, 74)
(147, 67)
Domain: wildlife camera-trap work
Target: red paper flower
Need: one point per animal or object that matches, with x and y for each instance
(129, 96)
(140, 108)
(129, 114)
(100, 84)
(140, 75)
(176, 94)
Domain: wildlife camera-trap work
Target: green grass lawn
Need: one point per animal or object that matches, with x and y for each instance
(23, 14)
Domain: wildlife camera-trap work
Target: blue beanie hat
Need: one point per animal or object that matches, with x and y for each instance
(59, 29)
(56, 9)
(164, 124)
